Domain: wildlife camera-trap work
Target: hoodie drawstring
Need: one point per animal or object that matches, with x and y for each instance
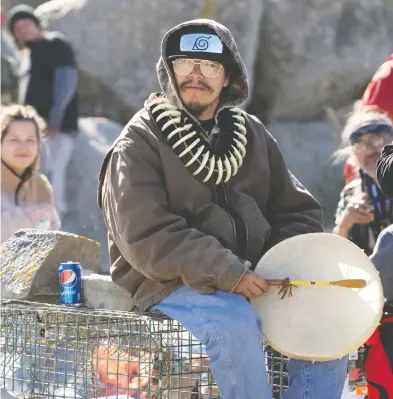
(27, 173)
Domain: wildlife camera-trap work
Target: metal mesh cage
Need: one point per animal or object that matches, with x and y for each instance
(52, 351)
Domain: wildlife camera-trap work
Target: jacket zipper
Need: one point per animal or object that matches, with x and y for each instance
(239, 225)
(238, 222)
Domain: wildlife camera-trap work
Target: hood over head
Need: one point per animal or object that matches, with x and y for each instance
(203, 39)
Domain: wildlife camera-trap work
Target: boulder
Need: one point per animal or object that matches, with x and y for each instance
(118, 44)
(318, 53)
(100, 292)
(30, 260)
(95, 137)
(7, 4)
(308, 148)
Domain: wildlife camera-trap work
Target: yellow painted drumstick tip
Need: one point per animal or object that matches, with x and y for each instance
(349, 283)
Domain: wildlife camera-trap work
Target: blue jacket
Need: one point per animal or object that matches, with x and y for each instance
(382, 259)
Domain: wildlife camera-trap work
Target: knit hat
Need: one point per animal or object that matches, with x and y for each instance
(375, 127)
(199, 42)
(21, 11)
(363, 122)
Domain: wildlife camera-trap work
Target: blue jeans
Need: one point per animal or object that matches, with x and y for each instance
(231, 331)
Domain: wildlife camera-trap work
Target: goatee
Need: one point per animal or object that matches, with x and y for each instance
(196, 108)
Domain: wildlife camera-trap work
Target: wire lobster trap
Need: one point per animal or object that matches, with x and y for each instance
(53, 351)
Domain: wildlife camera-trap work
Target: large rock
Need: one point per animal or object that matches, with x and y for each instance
(100, 292)
(308, 148)
(318, 53)
(7, 4)
(118, 43)
(95, 137)
(30, 260)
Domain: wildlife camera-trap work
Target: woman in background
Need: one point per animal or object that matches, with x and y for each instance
(26, 194)
(378, 97)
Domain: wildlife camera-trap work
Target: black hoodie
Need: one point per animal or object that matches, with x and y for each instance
(48, 55)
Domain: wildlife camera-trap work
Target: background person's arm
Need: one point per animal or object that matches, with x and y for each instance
(12, 221)
(65, 82)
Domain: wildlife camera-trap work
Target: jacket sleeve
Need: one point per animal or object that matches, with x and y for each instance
(291, 209)
(65, 81)
(64, 88)
(382, 260)
(152, 239)
(385, 171)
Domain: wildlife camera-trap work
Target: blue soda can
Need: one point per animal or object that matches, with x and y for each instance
(70, 280)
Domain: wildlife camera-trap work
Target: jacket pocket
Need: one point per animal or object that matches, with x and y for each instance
(216, 222)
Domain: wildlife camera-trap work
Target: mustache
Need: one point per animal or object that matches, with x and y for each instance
(199, 83)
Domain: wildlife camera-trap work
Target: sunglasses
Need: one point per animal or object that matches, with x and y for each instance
(184, 66)
(372, 141)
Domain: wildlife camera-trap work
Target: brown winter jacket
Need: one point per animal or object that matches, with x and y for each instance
(167, 228)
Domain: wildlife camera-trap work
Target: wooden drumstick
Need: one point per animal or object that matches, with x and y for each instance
(350, 283)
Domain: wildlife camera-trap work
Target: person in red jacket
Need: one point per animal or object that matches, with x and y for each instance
(379, 92)
(378, 97)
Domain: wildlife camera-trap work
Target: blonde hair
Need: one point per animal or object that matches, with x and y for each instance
(21, 113)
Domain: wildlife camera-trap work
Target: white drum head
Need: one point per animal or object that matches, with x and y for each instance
(319, 323)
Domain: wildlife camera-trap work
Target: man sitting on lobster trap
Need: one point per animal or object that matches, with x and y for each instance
(193, 192)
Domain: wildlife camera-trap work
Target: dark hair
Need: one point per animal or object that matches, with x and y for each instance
(21, 11)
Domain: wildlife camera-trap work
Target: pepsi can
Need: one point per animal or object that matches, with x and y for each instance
(70, 280)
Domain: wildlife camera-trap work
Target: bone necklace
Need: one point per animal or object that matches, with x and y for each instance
(194, 150)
